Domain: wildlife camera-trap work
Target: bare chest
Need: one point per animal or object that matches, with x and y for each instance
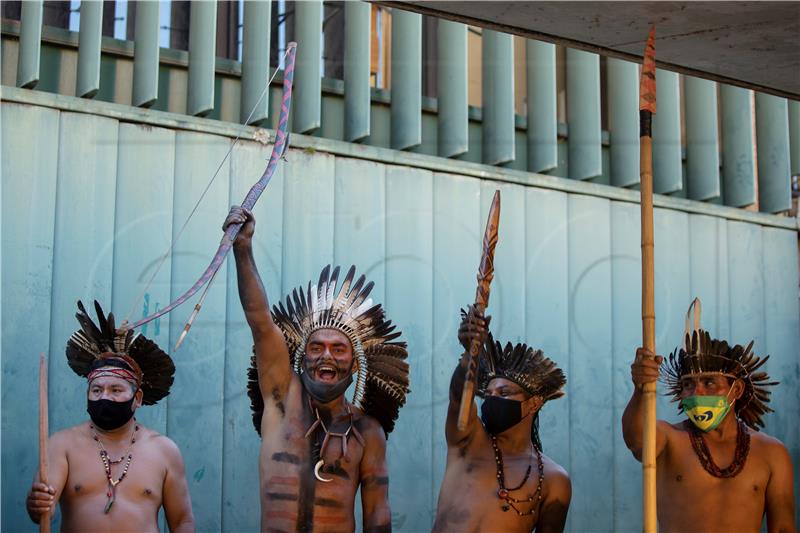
(140, 479)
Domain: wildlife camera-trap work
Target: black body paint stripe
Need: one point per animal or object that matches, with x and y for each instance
(285, 457)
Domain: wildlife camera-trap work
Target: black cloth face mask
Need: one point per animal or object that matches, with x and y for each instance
(108, 414)
(499, 414)
(325, 392)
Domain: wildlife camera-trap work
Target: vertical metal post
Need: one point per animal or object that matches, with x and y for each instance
(667, 158)
(30, 44)
(255, 62)
(406, 80)
(623, 115)
(540, 70)
(583, 114)
(145, 55)
(497, 80)
(702, 140)
(738, 163)
(772, 134)
(202, 53)
(357, 56)
(794, 135)
(452, 84)
(91, 29)
(307, 108)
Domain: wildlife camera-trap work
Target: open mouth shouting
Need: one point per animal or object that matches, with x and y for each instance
(326, 373)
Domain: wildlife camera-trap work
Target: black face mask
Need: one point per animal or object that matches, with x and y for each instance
(499, 414)
(325, 392)
(108, 414)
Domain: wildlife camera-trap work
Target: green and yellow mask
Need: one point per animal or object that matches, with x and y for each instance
(706, 412)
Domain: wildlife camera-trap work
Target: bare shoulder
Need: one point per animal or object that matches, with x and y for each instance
(370, 428)
(163, 444)
(772, 449)
(559, 485)
(64, 439)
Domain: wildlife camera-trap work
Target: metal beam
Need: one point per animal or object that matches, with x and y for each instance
(794, 135)
(357, 100)
(255, 62)
(667, 159)
(772, 133)
(498, 97)
(145, 55)
(452, 81)
(202, 53)
(623, 115)
(30, 44)
(702, 140)
(307, 105)
(540, 71)
(738, 162)
(406, 80)
(91, 28)
(583, 114)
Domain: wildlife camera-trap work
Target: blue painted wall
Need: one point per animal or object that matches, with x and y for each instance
(91, 202)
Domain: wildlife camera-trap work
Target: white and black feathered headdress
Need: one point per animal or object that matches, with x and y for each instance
(91, 346)
(700, 354)
(380, 361)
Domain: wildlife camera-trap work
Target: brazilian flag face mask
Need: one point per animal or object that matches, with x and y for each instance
(706, 412)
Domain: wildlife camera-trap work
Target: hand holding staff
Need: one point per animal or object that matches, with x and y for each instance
(647, 108)
(44, 521)
(485, 275)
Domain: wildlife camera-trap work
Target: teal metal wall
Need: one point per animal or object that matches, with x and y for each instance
(93, 194)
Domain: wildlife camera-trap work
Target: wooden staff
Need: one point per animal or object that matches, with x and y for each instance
(44, 520)
(485, 275)
(647, 108)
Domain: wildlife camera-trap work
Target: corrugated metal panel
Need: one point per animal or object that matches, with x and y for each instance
(565, 265)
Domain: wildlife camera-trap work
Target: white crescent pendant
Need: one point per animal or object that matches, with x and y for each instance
(317, 474)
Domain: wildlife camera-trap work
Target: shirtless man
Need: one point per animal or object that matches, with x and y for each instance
(708, 478)
(317, 448)
(146, 467)
(496, 478)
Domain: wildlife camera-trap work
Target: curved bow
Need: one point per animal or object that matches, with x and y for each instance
(225, 244)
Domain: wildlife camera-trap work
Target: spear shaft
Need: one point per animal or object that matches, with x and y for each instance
(485, 276)
(647, 108)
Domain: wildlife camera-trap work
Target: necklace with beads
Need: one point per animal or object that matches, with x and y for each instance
(111, 494)
(504, 492)
(704, 454)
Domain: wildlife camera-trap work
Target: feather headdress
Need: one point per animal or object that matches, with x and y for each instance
(523, 365)
(702, 354)
(379, 361)
(92, 343)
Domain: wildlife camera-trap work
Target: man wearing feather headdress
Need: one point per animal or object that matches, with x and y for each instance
(317, 448)
(111, 473)
(716, 470)
(497, 478)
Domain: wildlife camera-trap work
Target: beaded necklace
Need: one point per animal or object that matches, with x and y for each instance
(503, 491)
(704, 454)
(319, 450)
(111, 494)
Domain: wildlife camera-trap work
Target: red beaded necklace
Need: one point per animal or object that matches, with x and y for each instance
(704, 454)
(111, 494)
(504, 492)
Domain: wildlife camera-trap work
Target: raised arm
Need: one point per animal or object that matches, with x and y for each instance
(42, 498)
(272, 356)
(177, 503)
(643, 370)
(780, 491)
(473, 326)
(375, 482)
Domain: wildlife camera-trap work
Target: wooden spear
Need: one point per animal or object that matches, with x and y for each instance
(647, 108)
(44, 431)
(485, 275)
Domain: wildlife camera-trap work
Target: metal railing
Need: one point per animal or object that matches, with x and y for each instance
(733, 147)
